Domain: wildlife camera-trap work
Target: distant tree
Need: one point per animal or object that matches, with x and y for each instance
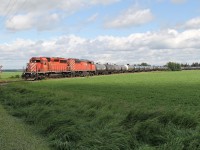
(173, 66)
(144, 64)
(195, 64)
(185, 65)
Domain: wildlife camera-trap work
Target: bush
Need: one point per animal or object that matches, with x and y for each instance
(174, 66)
(16, 76)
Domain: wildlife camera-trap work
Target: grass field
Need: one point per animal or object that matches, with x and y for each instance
(5, 76)
(14, 135)
(157, 110)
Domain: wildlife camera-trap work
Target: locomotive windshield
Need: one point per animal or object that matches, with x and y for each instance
(34, 61)
(63, 61)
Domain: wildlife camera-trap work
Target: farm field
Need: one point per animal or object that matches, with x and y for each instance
(5, 76)
(155, 110)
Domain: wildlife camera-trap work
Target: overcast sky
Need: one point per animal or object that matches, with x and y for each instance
(114, 31)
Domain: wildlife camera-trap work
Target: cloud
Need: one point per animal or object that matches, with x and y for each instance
(151, 47)
(104, 2)
(129, 18)
(178, 1)
(18, 14)
(47, 5)
(30, 20)
(193, 23)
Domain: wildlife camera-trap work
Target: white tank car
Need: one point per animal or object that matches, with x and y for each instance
(126, 66)
(131, 68)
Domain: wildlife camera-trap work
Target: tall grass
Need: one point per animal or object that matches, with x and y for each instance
(14, 135)
(120, 112)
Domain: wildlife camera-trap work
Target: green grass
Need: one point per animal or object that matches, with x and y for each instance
(5, 76)
(157, 110)
(14, 135)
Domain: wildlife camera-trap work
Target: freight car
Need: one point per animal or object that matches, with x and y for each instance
(51, 67)
(190, 68)
(100, 69)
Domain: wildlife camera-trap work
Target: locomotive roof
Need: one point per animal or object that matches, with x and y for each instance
(48, 57)
(85, 60)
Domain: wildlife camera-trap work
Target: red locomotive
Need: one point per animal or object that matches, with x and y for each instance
(41, 67)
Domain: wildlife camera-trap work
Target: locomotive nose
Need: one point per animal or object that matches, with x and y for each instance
(31, 67)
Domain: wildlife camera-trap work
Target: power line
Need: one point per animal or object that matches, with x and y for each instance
(6, 9)
(9, 13)
(9, 9)
(19, 8)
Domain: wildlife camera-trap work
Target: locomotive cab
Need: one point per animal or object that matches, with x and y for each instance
(33, 65)
(36, 65)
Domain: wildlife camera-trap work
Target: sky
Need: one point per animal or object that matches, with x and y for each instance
(105, 31)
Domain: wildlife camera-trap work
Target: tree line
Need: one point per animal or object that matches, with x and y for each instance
(194, 64)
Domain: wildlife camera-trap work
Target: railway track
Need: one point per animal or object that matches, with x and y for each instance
(5, 82)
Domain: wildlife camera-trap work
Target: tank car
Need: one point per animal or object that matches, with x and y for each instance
(124, 68)
(137, 68)
(117, 68)
(110, 68)
(100, 69)
(130, 68)
(151, 68)
(147, 68)
(155, 68)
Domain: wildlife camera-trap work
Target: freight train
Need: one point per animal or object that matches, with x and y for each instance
(53, 67)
